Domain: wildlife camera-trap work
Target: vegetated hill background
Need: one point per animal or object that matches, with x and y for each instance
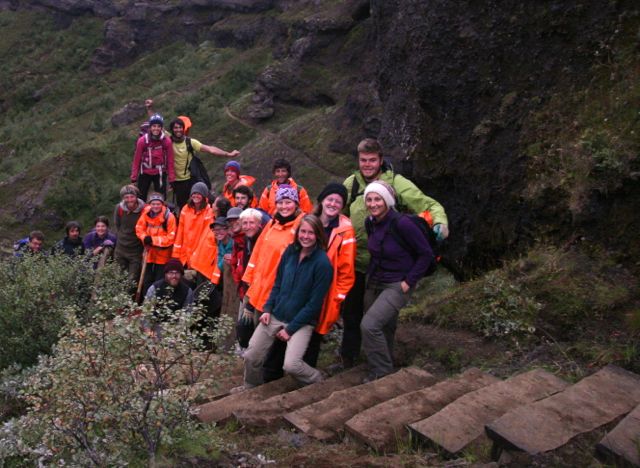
(522, 119)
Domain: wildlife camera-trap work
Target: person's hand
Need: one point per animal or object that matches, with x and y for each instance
(170, 187)
(283, 335)
(148, 103)
(265, 318)
(148, 240)
(227, 259)
(247, 316)
(233, 154)
(97, 250)
(405, 287)
(107, 243)
(441, 231)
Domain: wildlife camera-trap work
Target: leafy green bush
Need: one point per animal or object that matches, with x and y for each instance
(112, 391)
(35, 293)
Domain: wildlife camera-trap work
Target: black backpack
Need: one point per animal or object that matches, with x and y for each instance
(424, 228)
(196, 167)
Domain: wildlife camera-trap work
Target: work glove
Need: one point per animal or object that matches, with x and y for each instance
(148, 240)
(247, 316)
(107, 243)
(441, 231)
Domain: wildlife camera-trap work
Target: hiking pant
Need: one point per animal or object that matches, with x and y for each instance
(145, 181)
(182, 191)
(272, 367)
(352, 311)
(383, 302)
(259, 345)
(130, 263)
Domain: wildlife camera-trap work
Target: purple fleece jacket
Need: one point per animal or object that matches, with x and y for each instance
(390, 262)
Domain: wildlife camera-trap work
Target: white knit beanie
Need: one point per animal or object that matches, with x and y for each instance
(384, 190)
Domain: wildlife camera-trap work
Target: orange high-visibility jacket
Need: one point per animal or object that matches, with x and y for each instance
(227, 192)
(192, 226)
(342, 255)
(268, 199)
(263, 264)
(160, 251)
(205, 257)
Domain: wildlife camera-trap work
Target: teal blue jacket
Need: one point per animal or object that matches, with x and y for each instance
(298, 293)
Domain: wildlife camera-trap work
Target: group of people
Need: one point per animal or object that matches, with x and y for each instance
(284, 269)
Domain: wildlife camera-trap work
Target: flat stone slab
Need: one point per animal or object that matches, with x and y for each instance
(550, 423)
(381, 426)
(270, 411)
(622, 444)
(221, 410)
(325, 419)
(463, 421)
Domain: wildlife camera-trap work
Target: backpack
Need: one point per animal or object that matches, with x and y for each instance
(195, 166)
(20, 244)
(425, 230)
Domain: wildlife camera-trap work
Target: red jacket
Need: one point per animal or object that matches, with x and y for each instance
(263, 264)
(268, 199)
(153, 157)
(237, 262)
(162, 229)
(342, 255)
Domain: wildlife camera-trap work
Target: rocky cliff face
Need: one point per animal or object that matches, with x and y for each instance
(448, 87)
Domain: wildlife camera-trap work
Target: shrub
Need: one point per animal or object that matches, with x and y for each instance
(112, 392)
(35, 293)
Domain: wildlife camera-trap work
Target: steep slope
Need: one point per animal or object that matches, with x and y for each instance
(519, 118)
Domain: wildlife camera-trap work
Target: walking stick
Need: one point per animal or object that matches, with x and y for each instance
(142, 272)
(106, 253)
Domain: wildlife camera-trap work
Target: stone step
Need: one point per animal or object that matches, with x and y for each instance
(325, 419)
(463, 421)
(381, 426)
(622, 444)
(595, 400)
(271, 411)
(221, 410)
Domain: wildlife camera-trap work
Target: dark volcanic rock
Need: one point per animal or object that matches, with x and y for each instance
(130, 113)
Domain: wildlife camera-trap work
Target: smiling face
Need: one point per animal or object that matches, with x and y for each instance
(231, 176)
(177, 130)
(370, 165)
(250, 226)
(101, 229)
(155, 130)
(173, 278)
(130, 201)
(156, 206)
(281, 175)
(332, 205)
(306, 235)
(375, 205)
(242, 201)
(221, 233)
(197, 199)
(285, 207)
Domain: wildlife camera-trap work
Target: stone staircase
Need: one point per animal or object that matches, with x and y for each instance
(532, 412)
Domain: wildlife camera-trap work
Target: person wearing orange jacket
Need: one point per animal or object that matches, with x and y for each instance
(260, 273)
(282, 175)
(204, 258)
(233, 180)
(156, 229)
(195, 218)
(341, 251)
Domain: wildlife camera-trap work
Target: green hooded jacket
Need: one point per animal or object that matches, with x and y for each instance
(409, 198)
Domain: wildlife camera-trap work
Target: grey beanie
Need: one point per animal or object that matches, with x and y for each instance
(201, 188)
